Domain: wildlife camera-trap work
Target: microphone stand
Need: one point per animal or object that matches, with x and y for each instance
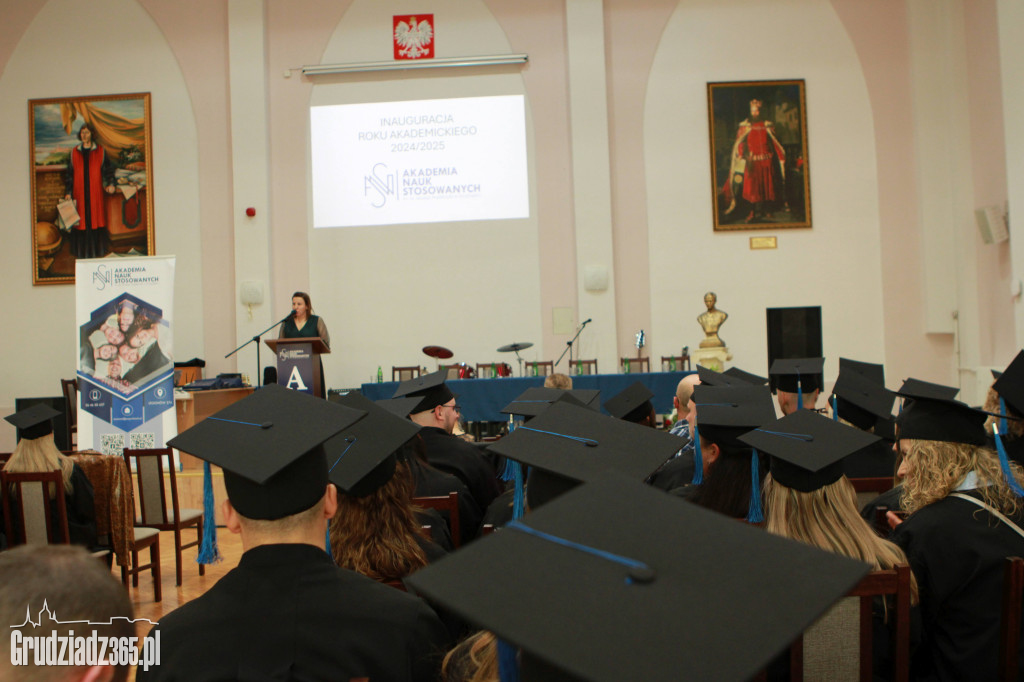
(259, 368)
(568, 348)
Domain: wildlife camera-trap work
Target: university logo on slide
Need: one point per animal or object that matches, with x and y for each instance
(414, 36)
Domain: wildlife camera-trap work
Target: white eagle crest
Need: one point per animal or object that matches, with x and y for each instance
(413, 38)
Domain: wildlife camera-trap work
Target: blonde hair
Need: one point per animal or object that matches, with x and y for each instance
(377, 535)
(827, 518)
(1014, 427)
(41, 454)
(474, 659)
(936, 468)
(558, 380)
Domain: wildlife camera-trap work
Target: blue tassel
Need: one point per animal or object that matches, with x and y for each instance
(1004, 462)
(1003, 426)
(835, 408)
(208, 552)
(509, 472)
(519, 497)
(698, 459)
(799, 393)
(327, 540)
(754, 513)
(508, 662)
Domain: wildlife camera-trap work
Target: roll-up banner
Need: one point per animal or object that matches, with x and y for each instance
(125, 322)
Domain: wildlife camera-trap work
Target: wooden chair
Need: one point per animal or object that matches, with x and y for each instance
(26, 500)
(635, 365)
(868, 489)
(585, 366)
(404, 373)
(69, 388)
(894, 582)
(140, 540)
(540, 368)
(679, 361)
(445, 503)
(149, 473)
(458, 370)
(1009, 628)
(487, 370)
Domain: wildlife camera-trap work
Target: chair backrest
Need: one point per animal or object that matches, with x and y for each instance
(404, 373)
(540, 368)
(1009, 628)
(69, 387)
(820, 652)
(458, 370)
(445, 503)
(675, 363)
(634, 365)
(488, 370)
(149, 474)
(27, 508)
(585, 366)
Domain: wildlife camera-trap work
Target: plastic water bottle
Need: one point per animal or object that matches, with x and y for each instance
(627, 365)
(380, 375)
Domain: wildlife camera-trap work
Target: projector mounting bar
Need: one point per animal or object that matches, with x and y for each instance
(399, 65)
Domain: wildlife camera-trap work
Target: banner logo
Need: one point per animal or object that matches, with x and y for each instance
(413, 36)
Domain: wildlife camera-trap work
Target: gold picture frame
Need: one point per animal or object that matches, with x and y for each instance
(92, 191)
(759, 162)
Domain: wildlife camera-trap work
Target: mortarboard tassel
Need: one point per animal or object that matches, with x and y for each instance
(508, 662)
(1004, 463)
(799, 393)
(835, 408)
(508, 473)
(519, 497)
(1003, 426)
(327, 540)
(208, 552)
(754, 512)
(698, 460)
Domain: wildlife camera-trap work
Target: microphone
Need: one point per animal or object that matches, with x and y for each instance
(288, 316)
(588, 320)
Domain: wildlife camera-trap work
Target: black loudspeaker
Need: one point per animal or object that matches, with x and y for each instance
(794, 333)
(60, 423)
(269, 375)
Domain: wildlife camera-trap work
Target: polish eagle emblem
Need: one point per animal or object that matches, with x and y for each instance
(413, 38)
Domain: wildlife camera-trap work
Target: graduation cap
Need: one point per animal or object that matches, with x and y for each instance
(797, 375)
(533, 401)
(270, 445)
(737, 373)
(631, 404)
(860, 400)
(592, 593)
(727, 412)
(712, 378)
(361, 458)
(429, 388)
(869, 370)
(567, 444)
(400, 407)
(33, 422)
(807, 449)
(1010, 384)
(928, 417)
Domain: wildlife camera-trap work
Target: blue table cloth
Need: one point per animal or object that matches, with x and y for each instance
(481, 399)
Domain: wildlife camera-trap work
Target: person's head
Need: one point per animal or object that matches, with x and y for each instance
(301, 305)
(86, 134)
(114, 335)
(125, 316)
(106, 352)
(75, 588)
(788, 401)
(142, 336)
(474, 659)
(33, 455)
(684, 392)
(443, 416)
(557, 380)
(710, 299)
(114, 368)
(827, 518)
(304, 527)
(128, 353)
(1015, 423)
(376, 534)
(755, 108)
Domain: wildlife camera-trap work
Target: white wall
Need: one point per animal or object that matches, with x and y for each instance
(385, 292)
(836, 264)
(68, 50)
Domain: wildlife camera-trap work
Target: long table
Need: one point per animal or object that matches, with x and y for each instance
(481, 399)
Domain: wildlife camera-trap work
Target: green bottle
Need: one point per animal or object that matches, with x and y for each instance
(380, 375)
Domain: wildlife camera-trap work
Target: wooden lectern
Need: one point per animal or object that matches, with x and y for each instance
(298, 362)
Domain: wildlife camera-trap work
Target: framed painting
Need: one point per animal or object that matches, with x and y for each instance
(92, 181)
(759, 161)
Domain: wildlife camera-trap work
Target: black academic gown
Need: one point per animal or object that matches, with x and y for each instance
(676, 472)
(431, 482)
(957, 551)
(286, 612)
(455, 456)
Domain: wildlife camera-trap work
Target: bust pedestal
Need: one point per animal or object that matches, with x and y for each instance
(712, 358)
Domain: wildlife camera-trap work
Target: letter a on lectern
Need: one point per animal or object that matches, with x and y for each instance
(295, 380)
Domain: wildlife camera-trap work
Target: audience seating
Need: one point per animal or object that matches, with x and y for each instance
(635, 365)
(584, 366)
(69, 389)
(149, 473)
(680, 362)
(486, 370)
(540, 368)
(445, 503)
(1009, 629)
(869, 488)
(457, 370)
(26, 500)
(404, 373)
